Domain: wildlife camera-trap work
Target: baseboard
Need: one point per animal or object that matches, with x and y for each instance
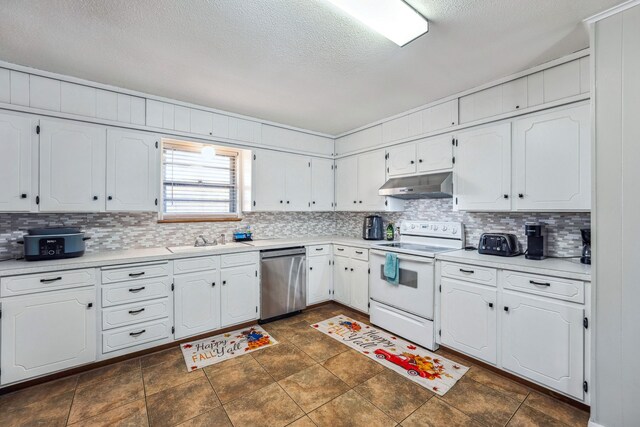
(594, 424)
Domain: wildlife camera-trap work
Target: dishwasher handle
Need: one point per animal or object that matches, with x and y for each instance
(279, 253)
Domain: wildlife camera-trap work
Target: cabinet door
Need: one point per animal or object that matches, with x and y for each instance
(15, 163)
(320, 279)
(72, 167)
(401, 160)
(435, 154)
(552, 160)
(47, 332)
(371, 176)
(514, 95)
(268, 180)
(468, 319)
(482, 169)
(239, 292)
(342, 280)
(297, 182)
(360, 285)
(440, 116)
(132, 171)
(197, 303)
(479, 105)
(543, 340)
(322, 184)
(346, 183)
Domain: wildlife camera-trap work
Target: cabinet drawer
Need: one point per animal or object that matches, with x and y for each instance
(130, 336)
(31, 283)
(470, 273)
(132, 272)
(318, 250)
(133, 291)
(361, 254)
(341, 250)
(564, 289)
(244, 258)
(190, 265)
(129, 314)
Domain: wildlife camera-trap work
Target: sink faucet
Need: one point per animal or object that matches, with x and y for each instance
(200, 241)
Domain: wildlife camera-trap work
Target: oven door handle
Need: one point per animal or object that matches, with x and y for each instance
(404, 257)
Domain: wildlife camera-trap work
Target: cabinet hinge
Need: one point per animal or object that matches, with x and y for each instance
(585, 386)
(254, 203)
(440, 288)
(456, 200)
(331, 167)
(369, 270)
(156, 202)
(309, 204)
(454, 160)
(254, 157)
(173, 286)
(38, 129)
(256, 273)
(369, 304)
(37, 200)
(453, 141)
(440, 332)
(309, 164)
(256, 308)
(0, 314)
(387, 170)
(156, 144)
(386, 202)
(386, 156)
(456, 142)
(585, 323)
(173, 329)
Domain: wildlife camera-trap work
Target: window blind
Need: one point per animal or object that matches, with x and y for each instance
(195, 184)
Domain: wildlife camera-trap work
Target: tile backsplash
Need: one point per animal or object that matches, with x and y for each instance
(110, 231)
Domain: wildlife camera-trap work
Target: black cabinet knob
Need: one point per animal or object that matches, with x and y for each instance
(412, 162)
(506, 309)
(287, 202)
(352, 269)
(419, 160)
(517, 106)
(506, 196)
(110, 198)
(281, 201)
(520, 195)
(360, 201)
(213, 284)
(310, 268)
(313, 202)
(224, 282)
(23, 196)
(490, 305)
(355, 201)
(346, 269)
(95, 197)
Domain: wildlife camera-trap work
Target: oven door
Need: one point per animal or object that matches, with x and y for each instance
(414, 293)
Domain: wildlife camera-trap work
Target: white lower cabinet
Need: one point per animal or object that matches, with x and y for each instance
(240, 294)
(351, 277)
(319, 278)
(543, 340)
(468, 319)
(196, 303)
(47, 332)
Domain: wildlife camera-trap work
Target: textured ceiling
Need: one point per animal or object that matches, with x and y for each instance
(300, 62)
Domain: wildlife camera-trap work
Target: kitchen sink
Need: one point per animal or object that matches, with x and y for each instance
(208, 248)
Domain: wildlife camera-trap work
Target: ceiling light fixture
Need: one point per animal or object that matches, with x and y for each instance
(394, 19)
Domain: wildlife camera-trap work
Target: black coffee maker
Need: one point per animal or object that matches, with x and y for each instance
(536, 241)
(586, 245)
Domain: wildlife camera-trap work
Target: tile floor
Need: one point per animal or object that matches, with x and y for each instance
(308, 379)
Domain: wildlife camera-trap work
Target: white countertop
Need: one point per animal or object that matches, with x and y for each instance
(558, 267)
(551, 266)
(107, 258)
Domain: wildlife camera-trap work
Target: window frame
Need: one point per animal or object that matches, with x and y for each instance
(204, 217)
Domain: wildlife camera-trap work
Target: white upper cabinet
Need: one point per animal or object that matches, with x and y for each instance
(371, 176)
(78, 99)
(44, 93)
(503, 98)
(401, 160)
(552, 160)
(514, 95)
(395, 129)
(366, 138)
(297, 182)
(346, 183)
(72, 167)
(132, 171)
(268, 181)
(15, 163)
(245, 130)
(440, 116)
(543, 340)
(482, 169)
(561, 81)
(434, 154)
(322, 184)
(290, 139)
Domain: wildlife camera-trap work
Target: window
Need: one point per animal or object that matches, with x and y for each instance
(199, 181)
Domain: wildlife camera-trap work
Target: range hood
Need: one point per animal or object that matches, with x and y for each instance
(431, 186)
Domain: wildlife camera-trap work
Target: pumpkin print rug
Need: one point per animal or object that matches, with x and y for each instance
(198, 354)
(415, 363)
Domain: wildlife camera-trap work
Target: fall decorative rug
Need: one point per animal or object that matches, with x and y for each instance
(415, 363)
(198, 354)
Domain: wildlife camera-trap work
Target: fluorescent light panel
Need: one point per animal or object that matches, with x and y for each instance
(394, 19)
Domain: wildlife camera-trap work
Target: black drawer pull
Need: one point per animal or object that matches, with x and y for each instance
(136, 274)
(50, 280)
(340, 249)
(134, 312)
(359, 252)
(134, 290)
(319, 249)
(467, 271)
(533, 282)
(137, 334)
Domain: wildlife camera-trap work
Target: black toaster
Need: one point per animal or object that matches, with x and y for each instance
(501, 244)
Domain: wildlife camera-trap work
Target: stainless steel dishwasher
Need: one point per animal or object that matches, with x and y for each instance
(283, 288)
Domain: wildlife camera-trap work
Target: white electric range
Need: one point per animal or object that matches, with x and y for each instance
(407, 308)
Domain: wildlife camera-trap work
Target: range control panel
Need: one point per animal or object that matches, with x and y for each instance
(450, 230)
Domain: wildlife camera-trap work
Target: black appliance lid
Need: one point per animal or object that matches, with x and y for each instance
(49, 231)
